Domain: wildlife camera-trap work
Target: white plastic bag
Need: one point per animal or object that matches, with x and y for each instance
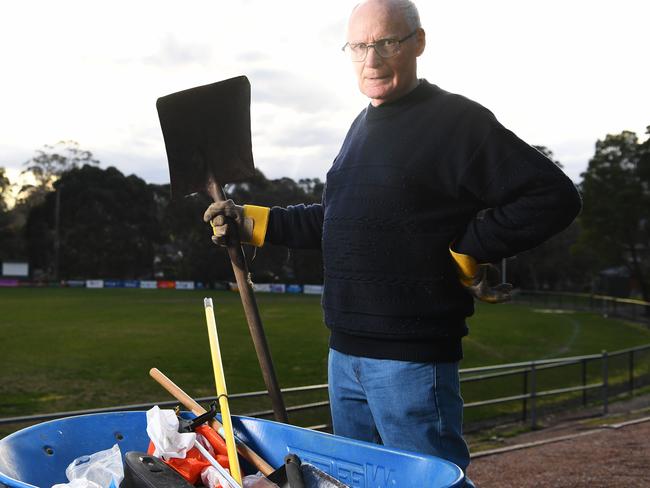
(213, 479)
(162, 427)
(96, 470)
(258, 480)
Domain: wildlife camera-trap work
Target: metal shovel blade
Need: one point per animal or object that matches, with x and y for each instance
(207, 134)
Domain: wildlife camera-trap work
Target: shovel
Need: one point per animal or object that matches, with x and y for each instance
(208, 141)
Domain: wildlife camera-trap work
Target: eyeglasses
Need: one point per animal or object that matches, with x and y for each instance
(386, 48)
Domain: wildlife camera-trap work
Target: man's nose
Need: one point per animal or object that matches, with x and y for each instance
(372, 58)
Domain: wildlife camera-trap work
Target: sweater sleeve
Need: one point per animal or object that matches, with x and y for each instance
(297, 226)
(525, 198)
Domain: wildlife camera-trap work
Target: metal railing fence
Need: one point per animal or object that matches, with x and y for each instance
(608, 379)
(635, 375)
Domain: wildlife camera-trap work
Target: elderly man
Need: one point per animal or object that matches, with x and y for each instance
(428, 187)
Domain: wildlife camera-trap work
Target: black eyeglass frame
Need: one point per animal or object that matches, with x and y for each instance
(372, 45)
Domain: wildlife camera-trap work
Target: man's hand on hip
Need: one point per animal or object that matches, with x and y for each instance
(481, 288)
(476, 280)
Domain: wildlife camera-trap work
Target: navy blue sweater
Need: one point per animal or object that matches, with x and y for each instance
(412, 177)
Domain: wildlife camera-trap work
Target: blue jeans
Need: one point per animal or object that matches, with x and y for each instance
(406, 405)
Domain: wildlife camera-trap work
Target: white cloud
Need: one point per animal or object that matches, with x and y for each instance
(560, 74)
(175, 54)
(287, 89)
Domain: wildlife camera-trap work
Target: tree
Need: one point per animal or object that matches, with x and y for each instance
(554, 265)
(5, 186)
(108, 226)
(185, 251)
(188, 253)
(49, 164)
(276, 263)
(5, 220)
(549, 154)
(312, 187)
(616, 214)
(11, 243)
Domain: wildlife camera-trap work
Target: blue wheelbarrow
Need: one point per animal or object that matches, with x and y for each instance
(38, 455)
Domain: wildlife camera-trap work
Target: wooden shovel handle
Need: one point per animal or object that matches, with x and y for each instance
(189, 403)
(240, 270)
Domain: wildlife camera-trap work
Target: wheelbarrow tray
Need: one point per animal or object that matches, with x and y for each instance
(38, 455)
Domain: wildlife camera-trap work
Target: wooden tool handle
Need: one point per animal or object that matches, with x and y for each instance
(189, 403)
(251, 311)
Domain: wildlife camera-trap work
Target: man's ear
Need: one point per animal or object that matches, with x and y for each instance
(421, 40)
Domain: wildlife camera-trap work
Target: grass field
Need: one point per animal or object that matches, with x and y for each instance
(67, 349)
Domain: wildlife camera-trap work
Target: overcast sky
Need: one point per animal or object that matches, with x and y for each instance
(559, 73)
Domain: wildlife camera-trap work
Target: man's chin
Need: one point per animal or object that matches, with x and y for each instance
(377, 94)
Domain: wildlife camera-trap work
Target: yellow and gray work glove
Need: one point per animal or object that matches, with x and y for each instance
(250, 220)
(474, 277)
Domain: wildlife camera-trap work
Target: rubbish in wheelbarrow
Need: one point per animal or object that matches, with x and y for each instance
(302, 475)
(38, 455)
(319, 479)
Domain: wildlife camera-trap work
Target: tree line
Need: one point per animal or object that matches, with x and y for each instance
(79, 220)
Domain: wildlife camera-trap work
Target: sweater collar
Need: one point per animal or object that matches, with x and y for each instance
(391, 108)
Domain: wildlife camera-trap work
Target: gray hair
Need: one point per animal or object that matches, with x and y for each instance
(408, 9)
(410, 12)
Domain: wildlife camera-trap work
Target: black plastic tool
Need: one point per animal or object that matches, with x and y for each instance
(190, 425)
(142, 470)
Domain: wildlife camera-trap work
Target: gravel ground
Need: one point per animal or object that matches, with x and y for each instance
(597, 458)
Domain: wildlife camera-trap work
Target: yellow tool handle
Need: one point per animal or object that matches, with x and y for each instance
(222, 393)
(189, 403)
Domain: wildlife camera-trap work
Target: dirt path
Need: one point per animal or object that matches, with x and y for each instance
(596, 457)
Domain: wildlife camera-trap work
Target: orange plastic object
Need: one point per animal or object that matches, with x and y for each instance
(215, 440)
(189, 468)
(194, 463)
